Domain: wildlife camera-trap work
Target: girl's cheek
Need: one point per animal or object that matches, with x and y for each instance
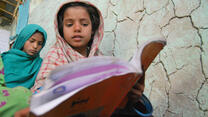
(40, 47)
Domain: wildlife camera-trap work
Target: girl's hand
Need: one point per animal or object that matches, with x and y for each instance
(137, 91)
(22, 113)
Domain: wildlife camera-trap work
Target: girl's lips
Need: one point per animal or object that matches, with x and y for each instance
(33, 51)
(77, 38)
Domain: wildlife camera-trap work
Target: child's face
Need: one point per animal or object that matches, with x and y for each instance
(77, 27)
(33, 45)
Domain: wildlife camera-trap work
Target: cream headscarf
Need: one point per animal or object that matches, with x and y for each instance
(62, 53)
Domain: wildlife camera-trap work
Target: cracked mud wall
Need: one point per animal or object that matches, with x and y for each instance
(177, 80)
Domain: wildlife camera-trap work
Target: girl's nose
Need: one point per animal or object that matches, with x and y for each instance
(77, 27)
(35, 45)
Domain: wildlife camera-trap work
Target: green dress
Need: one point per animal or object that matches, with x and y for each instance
(12, 99)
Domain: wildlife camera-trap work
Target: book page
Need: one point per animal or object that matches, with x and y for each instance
(146, 53)
(69, 79)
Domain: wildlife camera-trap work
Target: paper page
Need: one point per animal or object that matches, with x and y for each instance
(85, 66)
(78, 77)
(136, 59)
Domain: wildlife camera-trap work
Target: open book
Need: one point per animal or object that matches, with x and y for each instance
(94, 86)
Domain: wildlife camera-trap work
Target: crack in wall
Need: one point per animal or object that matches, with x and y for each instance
(137, 36)
(196, 7)
(165, 6)
(140, 20)
(167, 90)
(126, 17)
(151, 88)
(140, 11)
(203, 28)
(143, 9)
(114, 33)
(123, 20)
(197, 96)
(130, 18)
(156, 62)
(201, 61)
(177, 69)
(172, 112)
(179, 93)
(174, 9)
(200, 36)
(202, 68)
(172, 73)
(111, 3)
(200, 47)
(161, 27)
(197, 46)
(193, 25)
(187, 16)
(107, 9)
(114, 41)
(138, 27)
(181, 17)
(174, 61)
(168, 96)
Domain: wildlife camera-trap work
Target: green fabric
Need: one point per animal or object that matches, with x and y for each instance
(13, 100)
(20, 68)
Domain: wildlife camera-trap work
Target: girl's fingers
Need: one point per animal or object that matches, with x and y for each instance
(22, 113)
(139, 86)
(136, 92)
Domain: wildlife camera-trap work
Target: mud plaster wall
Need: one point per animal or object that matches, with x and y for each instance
(177, 80)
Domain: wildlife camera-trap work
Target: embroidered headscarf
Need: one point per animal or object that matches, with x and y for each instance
(20, 68)
(62, 53)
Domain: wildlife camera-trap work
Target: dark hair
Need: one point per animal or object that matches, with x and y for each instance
(92, 11)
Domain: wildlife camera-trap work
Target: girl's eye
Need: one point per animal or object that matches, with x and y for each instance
(40, 43)
(69, 25)
(85, 24)
(31, 41)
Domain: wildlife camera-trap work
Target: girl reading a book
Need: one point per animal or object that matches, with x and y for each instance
(79, 31)
(22, 62)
